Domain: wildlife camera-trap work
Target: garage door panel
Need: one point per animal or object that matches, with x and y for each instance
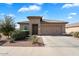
(51, 29)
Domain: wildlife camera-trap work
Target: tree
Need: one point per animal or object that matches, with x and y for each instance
(7, 25)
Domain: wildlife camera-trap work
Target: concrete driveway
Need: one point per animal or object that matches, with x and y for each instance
(60, 41)
(62, 45)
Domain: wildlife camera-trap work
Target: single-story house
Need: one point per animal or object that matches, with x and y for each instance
(74, 27)
(39, 26)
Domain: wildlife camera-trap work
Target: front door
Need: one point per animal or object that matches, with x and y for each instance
(34, 29)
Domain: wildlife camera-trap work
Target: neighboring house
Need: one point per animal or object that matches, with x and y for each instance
(40, 26)
(72, 27)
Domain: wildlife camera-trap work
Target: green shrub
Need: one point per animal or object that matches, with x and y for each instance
(26, 32)
(19, 34)
(4, 33)
(76, 34)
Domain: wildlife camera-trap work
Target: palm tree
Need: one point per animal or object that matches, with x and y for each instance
(7, 25)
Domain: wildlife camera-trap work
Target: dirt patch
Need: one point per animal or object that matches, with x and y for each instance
(2, 42)
(24, 43)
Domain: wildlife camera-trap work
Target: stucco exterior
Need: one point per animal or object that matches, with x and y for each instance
(44, 27)
(24, 26)
(72, 28)
(34, 20)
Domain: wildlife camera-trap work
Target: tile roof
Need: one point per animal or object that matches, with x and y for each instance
(45, 21)
(23, 22)
(34, 17)
(54, 21)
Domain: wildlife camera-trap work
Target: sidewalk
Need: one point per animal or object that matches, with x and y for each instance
(38, 51)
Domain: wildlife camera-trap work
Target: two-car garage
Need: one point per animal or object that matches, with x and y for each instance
(52, 29)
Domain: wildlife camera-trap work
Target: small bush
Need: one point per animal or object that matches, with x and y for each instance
(4, 33)
(34, 39)
(12, 40)
(26, 32)
(18, 35)
(71, 33)
(76, 34)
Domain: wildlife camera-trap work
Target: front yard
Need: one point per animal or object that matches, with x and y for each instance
(21, 43)
(54, 46)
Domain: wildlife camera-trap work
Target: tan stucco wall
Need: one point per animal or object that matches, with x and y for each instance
(52, 29)
(34, 21)
(45, 28)
(72, 29)
(24, 25)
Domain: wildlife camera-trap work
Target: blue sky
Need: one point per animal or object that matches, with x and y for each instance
(53, 11)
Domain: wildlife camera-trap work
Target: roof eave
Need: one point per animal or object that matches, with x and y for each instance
(22, 23)
(56, 22)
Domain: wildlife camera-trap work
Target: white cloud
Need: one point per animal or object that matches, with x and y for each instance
(23, 9)
(68, 5)
(9, 3)
(73, 14)
(30, 8)
(34, 7)
(69, 17)
(12, 15)
(17, 26)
